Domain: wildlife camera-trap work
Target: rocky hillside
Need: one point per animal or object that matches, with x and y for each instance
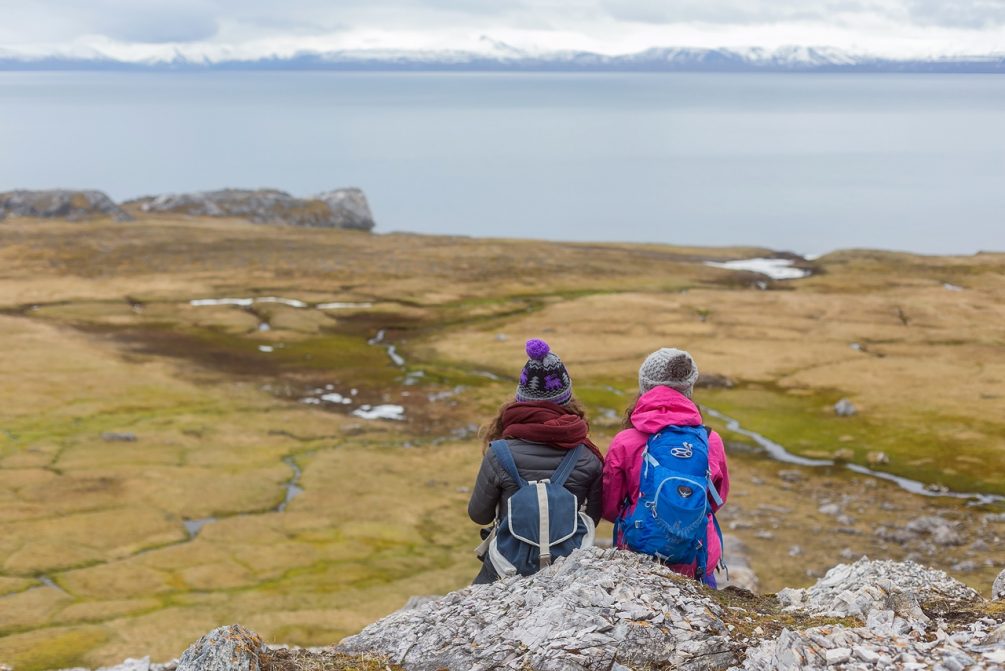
(59, 204)
(607, 609)
(338, 208)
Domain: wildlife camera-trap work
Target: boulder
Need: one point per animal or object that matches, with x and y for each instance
(341, 208)
(349, 207)
(998, 590)
(590, 610)
(856, 589)
(231, 648)
(877, 458)
(59, 204)
(845, 408)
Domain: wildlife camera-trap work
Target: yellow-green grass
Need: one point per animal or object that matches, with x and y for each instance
(115, 346)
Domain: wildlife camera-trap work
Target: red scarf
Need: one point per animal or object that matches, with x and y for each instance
(549, 423)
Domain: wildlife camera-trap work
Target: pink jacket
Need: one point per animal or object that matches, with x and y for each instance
(656, 409)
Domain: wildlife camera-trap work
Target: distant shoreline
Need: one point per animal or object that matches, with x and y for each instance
(660, 60)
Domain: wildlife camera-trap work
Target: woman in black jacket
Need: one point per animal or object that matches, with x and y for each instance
(540, 426)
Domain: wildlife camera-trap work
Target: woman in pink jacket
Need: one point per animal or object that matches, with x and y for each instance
(666, 381)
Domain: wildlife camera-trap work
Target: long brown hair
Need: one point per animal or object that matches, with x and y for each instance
(494, 429)
(626, 419)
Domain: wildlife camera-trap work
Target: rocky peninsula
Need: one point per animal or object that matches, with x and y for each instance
(338, 208)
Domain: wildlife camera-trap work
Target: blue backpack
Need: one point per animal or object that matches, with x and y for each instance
(542, 520)
(670, 520)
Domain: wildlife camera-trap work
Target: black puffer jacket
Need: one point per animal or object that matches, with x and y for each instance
(535, 461)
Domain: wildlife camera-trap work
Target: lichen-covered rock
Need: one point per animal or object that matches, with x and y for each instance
(350, 208)
(859, 588)
(341, 208)
(588, 611)
(845, 408)
(59, 204)
(231, 648)
(998, 589)
(886, 642)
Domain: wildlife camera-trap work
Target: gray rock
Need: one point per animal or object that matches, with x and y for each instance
(590, 610)
(130, 665)
(118, 437)
(59, 204)
(830, 509)
(740, 574)
(349, 207)
(713, 381)
(341, 208)
(940, 530)
(856, 589)
(998, 590)
(231, 648)
(845, 408)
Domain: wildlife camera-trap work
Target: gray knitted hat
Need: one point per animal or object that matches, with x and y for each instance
(544, 377)
(668, 367)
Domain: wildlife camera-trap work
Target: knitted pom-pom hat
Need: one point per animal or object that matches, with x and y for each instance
(668, 367)
(544, 377)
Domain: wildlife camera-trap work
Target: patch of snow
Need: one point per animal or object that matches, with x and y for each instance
(193, 527)
(377, 339)
(264, 326)
(776, 269)
(246, 302)
(292, 302)
(242, 302)
(310, 400)
(951, 287)
(336, 398)
(393, 412)
(342, 306)
(395, 357)
(856, 346)
(266, 348)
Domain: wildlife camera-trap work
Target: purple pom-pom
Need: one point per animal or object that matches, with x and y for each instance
(537, 349)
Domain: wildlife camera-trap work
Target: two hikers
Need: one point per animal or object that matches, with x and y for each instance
(539, 466)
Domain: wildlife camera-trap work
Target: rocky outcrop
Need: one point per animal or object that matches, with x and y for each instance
(341, 208)
(886, 642)
(603, 609)
(232, 648)
(860, 588)
(59, 204)
(590, 610)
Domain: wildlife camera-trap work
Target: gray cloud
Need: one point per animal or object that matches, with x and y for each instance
(747, 11)
(226, 24)
(958, 13)
(158, 22)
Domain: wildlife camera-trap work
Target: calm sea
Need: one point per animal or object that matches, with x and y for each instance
(802, 162)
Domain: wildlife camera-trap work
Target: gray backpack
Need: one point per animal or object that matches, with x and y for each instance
(542, 520)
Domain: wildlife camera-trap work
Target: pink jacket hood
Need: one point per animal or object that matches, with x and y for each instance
(663, 406)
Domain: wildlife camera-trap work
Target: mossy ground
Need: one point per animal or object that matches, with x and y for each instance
(100, 336)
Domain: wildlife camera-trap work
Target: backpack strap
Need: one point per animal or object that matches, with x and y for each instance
(500, 448)
(565, 468)
(722, 547)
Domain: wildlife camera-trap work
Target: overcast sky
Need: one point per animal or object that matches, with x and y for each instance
(138, 29)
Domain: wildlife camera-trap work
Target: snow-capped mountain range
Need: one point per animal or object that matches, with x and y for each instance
(498, 56)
